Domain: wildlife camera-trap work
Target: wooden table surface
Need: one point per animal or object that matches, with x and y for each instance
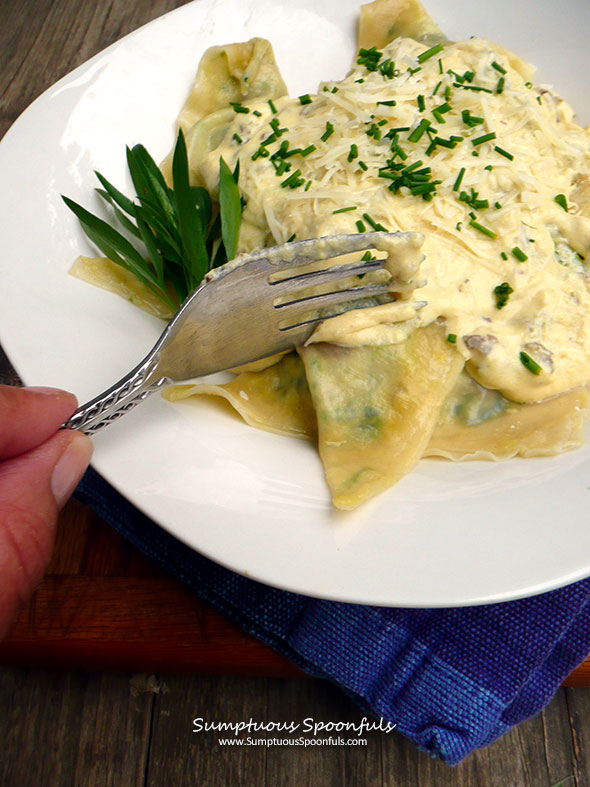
(107, 667)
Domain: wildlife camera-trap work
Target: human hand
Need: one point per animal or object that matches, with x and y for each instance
(39, 469)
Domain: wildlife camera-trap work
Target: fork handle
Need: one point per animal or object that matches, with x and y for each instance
(117, 400)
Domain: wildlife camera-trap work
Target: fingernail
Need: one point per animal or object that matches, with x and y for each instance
(70, 467)
(46, 391)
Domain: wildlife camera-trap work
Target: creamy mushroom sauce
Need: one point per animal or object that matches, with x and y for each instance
(490, 219)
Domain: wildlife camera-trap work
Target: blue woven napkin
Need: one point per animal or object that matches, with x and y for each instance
(452, 680)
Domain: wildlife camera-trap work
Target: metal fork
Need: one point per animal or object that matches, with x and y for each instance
(240, 313)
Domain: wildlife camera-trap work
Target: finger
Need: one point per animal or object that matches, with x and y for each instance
(28, 416)
(33, 487)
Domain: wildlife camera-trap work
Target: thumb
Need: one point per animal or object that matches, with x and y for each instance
(33, 487)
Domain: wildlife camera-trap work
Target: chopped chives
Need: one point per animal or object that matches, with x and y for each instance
(419, 130)
(458, 226)
(293, 180)
(374, 224)
(529, 363)
(424, 188)
(420, 102)
(412, 71)
(442, 108)
(257, 113)
(459, 179)
(447, 93)
(500, 85)
(282, 167)
(305, 99)
(374, 131)
(498, 67)
(353, 152)
(334, 89)
(519, 254)
(444, 143)
(411, 167)
(561, 201)
(387, 68)
(391, 103)
(307, 185)
(469, 119)
(274, 124)
(359, 81)
(424, 56)
(504, 153)
(484, 138)
(328, 132)
(489, 168)
(237, 107)
(452, 338)
(503, 255)
(360, 226)
(502, 292)
(306, 151)
(440, 66)
(344, 210)
(238, 138)
(484, 230)
(369, 58)
(363, 166)
(435, 91)
(291, 238)
(473, 87)
(439, 111)
(273, 109)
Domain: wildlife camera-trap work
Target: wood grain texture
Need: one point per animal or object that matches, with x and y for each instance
(84, 729)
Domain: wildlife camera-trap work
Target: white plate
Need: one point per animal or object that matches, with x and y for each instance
(447, 534)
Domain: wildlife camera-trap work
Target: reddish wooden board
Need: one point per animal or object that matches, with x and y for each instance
(103, 605)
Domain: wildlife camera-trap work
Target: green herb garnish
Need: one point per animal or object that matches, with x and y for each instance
(504, 153)
(459, 179)
(419, 130)
(328, 132)
(424, 56)
(502, 292)
(519, 254)
(182, 235)
(484, 138)
(561, 201)
(529, 363)
(484, 230)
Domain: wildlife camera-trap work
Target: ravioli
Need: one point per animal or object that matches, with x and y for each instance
(486, 353)
(486, 301)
